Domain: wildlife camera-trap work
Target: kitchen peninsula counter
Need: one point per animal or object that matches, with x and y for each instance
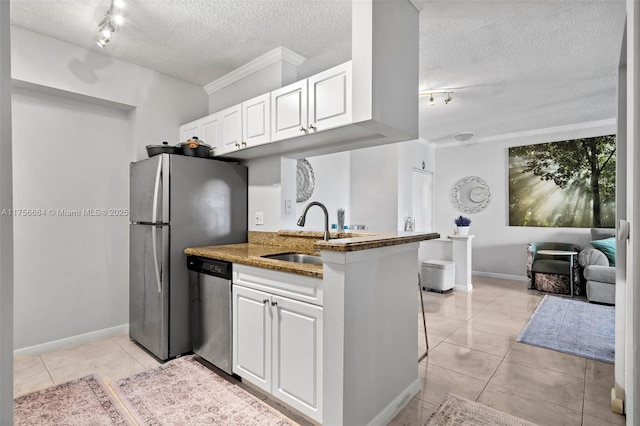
(365, 310)
(307, 242)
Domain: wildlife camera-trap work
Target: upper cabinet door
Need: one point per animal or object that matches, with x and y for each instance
(189, 130)
(231, 128)
(289, 111)
(211, 132)
(330, 98)
(256, 120)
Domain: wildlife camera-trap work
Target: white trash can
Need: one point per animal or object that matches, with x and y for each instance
(438, 275)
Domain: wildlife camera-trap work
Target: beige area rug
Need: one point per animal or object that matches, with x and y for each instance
(458, 411)
(185, 392)
(84, 401)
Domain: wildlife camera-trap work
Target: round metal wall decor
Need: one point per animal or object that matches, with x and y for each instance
(305, 181)
(470, 194)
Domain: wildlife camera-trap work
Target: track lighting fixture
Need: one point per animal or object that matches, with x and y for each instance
(111, 21)
(433, 93)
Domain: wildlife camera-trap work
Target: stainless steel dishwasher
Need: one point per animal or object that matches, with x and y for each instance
(211, 325)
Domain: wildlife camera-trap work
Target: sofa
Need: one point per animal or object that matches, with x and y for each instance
(598, 269)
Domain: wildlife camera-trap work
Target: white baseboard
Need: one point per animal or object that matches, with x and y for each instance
(72, 341)
(502, 276)
(395, 406)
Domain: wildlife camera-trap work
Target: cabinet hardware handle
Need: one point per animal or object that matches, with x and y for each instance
(265, 301)
(274, 303)
(243, 143)
(302, 129)
(312, 127)
(237, 145)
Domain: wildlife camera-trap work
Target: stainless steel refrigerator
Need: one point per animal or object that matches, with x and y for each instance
(176, 202)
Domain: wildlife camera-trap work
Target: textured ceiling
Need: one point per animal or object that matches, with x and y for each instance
(512, 65)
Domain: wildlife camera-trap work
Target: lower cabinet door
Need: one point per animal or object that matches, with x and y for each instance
(252, 336)
(297, 355)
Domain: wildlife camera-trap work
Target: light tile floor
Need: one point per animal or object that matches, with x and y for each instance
(473, 353)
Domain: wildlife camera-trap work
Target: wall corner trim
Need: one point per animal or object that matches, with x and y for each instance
(278, 54)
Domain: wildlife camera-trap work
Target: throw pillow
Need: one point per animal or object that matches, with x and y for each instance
(608, 247)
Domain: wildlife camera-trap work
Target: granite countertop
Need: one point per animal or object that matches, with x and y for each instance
(250, 254)
(308, 242)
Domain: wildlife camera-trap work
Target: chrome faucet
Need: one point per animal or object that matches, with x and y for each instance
(303, 218)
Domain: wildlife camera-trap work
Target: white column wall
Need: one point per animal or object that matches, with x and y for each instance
(6, 223)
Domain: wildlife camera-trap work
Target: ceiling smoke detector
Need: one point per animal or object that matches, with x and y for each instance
(464, 136)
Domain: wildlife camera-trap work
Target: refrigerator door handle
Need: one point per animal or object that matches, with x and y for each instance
(155, 258)
(154, 217)
(156, 190)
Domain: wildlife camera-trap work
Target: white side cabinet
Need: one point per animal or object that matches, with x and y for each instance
(318, 103)
(277, 343)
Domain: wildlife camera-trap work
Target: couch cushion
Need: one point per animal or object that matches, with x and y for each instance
(551, 266)
(601, 292)
(592, 256)
(608, 247)
(605, 274)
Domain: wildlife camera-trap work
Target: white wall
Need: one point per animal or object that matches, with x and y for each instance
(69, 155)
(158, 104)
(332, 184)
(161, 103)
(265, 192)
(374, 187)
(499, 248)
(265, 80)
(6, 224)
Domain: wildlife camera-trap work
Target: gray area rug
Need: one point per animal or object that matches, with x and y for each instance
(185, 392)
(573, 327)
(85, 401)
(458, 411)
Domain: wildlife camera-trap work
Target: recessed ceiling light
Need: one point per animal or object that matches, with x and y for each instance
(463, 136)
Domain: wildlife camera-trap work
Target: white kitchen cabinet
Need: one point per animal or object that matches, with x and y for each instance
(210, 132)
(231, 128)
(318, 103)
(289, 111)
(207, 130)
(189, 130)
(252, 336)
(256, 121)
(277, 341)
(330, 98)
(297, 355)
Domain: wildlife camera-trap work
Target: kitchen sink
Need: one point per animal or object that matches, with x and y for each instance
(295, 257)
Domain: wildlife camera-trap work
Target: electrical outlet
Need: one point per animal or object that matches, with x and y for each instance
(287, 206)
(259, 218)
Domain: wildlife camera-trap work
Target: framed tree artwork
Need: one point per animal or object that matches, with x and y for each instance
(563, 184)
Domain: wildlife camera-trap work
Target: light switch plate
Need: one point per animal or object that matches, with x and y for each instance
(259, 218)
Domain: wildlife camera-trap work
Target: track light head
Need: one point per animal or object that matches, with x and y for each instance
(432, 101)
(448, 99)
(103, 42)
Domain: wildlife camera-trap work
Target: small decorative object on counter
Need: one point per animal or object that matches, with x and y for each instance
(340, 218)
(462, 224)
(409, 224)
